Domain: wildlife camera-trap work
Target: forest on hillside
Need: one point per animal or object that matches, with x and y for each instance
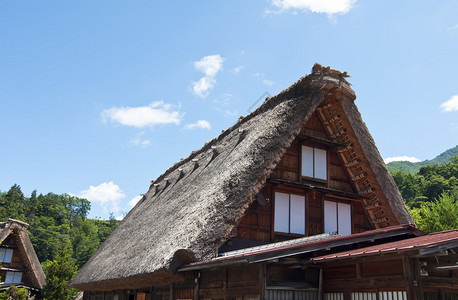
(56, 222)
(62, 235)
(431, 195)
(413, 168)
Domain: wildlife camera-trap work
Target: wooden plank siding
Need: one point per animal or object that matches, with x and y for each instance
(258, 222)
(315, 213)
(289, 166)
(356, 276)
(337, 176)
(392, 274)
(239, 282)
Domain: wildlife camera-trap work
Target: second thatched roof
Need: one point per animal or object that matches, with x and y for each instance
(25, 247)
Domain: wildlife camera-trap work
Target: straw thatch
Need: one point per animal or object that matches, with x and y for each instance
(25, 247)
(190, 210)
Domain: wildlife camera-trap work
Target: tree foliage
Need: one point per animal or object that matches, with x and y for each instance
(432, 195)
(413, 168)
(439, 215)
(428, 184)
(55, 219)
(62, 235)
(58, 273)
(14, 293)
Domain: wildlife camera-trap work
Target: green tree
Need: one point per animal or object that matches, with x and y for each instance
(54, 219)
(14, 293)
(439, 215)
(435, 186)
(12, 204)
(58, 273)
(85, 241)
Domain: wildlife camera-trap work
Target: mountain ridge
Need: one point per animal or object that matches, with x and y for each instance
(413, 168)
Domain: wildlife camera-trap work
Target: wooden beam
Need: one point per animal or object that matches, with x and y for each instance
(333, 144)
(323, 189)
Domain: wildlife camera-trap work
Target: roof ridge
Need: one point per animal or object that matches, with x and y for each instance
(267, 104)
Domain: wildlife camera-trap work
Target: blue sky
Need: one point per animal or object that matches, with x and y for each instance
(99, 97)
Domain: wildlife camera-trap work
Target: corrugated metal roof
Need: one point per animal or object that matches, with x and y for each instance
(287, 243)
(301, 246)
(430, 243)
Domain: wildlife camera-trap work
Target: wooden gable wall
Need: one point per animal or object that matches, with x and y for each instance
(258, 223)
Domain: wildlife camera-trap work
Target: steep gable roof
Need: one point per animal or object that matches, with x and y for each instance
(191, 209)
(25, 247)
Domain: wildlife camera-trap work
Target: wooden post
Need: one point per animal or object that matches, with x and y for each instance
(320, 284)
(307, 213)
(358, 270)
(412, 267)
(262, 281)
(408, 275)
(272, 212)
(196, 288)
(226, 283)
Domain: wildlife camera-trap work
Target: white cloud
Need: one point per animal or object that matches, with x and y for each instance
(453, 27)
(134, 201)
(401, 158)
(210, 65)
(107, 194)
(236, 70)
(201, 87)
(199, 124)
(329, 7)
(138, 141)
(156, 113)
(268, 82)
(450, 105)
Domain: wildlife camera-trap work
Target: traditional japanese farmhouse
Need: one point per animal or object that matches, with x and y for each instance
(292, 202)
(19, 263)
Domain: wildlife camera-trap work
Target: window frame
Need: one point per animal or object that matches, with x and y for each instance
(6, 253)
(14, 275)
(314, 162)
(289, 210)
(337, 219)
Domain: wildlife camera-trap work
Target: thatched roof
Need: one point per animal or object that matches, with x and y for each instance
(25, 247)
(191, 209)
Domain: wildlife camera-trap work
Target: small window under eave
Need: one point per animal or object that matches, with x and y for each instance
(314, 163)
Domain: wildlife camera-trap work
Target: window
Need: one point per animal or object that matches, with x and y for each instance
(289, 213)
(274, 294)
(337, 217)
(5, 255)
(13, 277)
(314, 163)
(392, 295)
(363, 296)
(333, 296)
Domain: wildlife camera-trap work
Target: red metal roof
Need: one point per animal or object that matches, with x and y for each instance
(427, 244)
(305, 247)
